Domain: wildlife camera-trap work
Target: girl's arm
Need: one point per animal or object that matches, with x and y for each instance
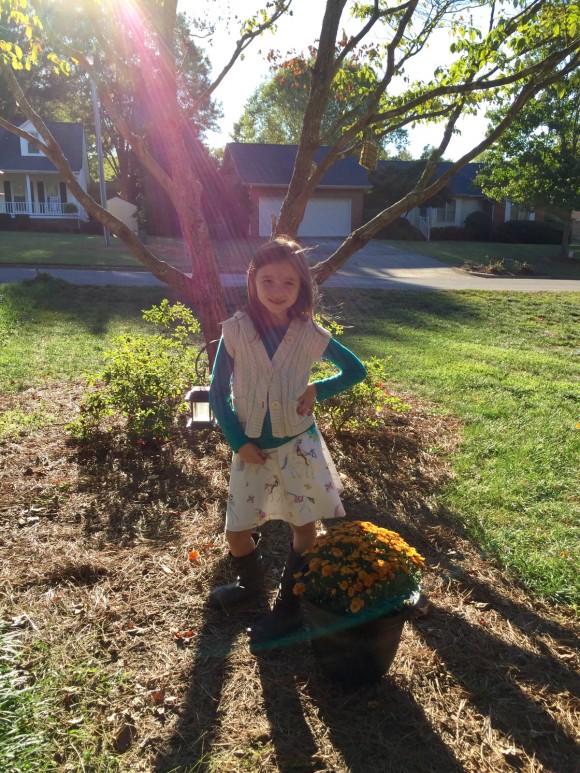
(220, 398)
(351, 371)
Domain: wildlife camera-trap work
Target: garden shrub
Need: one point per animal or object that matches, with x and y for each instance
(368, 404)
(528, 232)
(144, 378)
(5, 221)
(448, 233)
(22, 222)
(478, 226)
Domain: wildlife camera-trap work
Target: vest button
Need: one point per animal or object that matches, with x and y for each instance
(275, 404)
(289, 339)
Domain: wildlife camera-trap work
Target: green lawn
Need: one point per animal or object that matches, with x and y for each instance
(505, 364)
(542, 258)
(70, 249)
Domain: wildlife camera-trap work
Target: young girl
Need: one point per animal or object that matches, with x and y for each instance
(263, 401)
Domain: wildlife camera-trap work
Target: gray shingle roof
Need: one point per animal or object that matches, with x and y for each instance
(260, 164)
(263, 164)
(461, 184)
(68, 135)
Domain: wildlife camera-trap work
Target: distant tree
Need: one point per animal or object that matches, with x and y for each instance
(275, 111)
(536, 162)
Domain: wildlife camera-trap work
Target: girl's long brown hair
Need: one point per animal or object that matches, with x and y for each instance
(276, 251)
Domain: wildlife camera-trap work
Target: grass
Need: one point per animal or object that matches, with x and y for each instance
(48, 330)
(503, 363)
(20, 704)
(31, 249)
(542, 258)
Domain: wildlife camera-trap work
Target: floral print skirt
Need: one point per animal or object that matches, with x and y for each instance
(298, 483)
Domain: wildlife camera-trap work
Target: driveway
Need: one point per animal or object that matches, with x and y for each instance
(376, 265)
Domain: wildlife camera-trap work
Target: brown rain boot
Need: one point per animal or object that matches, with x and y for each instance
(285, 617)
(248, 583)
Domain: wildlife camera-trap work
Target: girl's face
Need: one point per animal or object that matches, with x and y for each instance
(277, 288)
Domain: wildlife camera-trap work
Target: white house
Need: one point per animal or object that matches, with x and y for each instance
(31, 185)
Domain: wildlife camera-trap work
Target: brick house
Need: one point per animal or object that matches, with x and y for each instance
(263, 173)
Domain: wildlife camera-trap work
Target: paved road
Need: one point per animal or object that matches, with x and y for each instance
(375, 266)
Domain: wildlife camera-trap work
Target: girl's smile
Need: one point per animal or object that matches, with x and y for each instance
(277, 287)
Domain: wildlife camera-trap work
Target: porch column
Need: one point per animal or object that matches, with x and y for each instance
(29, 197)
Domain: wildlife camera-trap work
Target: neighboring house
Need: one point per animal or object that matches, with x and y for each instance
(466, 198)
(31, 185)
(336, 207)
(264, 171)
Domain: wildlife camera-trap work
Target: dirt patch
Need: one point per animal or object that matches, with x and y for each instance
(95, 554)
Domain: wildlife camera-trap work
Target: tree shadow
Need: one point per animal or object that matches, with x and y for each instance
(380, 728)
(140, 489)
(494, 674)
(218, 647)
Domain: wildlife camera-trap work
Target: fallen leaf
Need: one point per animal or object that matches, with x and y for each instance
(193, 555)
(157, 696)
(123, 739)
(182, 634)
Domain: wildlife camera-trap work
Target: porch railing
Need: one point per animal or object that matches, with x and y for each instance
(38, 208)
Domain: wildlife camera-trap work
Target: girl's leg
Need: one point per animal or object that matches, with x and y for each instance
(304, 537)
(241, 543)
(247, 559)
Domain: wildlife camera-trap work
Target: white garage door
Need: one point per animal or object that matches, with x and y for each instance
(323, 217)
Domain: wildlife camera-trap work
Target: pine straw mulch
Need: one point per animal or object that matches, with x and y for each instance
(94, 550)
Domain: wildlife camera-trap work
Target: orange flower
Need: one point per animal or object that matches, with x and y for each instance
(356, 605)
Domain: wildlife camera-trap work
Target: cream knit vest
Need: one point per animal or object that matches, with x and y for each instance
(260, 383)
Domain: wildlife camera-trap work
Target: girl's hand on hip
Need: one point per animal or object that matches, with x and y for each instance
(306, 401)
(251, 454)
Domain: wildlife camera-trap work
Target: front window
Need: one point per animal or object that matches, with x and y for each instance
(446, 213)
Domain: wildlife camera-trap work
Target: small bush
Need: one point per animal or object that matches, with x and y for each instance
(478, 226)
(368, 404)
(70, 208)
(5, 221)
(144, 378)
(22, 222)
(528, 232)
(449, 233)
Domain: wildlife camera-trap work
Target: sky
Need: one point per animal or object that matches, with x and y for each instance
(298, 32)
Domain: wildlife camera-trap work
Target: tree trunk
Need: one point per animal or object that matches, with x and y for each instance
(566, 234)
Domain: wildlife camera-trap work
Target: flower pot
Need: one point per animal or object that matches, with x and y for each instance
(354, 650)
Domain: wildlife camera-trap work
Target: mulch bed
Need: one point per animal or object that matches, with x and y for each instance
(96, 562)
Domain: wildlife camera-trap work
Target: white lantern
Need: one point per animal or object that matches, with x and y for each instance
(201, 416)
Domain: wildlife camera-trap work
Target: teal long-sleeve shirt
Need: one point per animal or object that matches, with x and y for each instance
(351, 371)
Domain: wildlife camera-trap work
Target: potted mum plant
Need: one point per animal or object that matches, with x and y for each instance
(358, 587)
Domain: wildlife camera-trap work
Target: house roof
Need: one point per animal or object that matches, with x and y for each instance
(68, 135)
(261, 164)
(461, 184)
(264, 164)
